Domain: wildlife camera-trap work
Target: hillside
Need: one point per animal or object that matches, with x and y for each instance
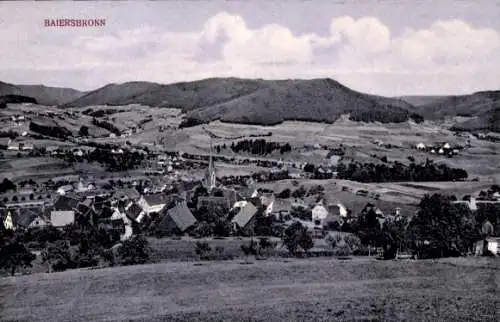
(420, 100)
(44, 95)
(253, 101)
(483, 106)
(320, 289)
(11, 98)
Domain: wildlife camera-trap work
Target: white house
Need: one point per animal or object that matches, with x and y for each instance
(492, 245)
(441, 151)
(12, 146)
(64, 189)
(319, 213)
(152, 203)
(421, 146)
(8, 223)
(118, 215)
(446, 146)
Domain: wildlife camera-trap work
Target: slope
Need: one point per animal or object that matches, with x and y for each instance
(44, 95)
(253, 100)
(322, 100)
(484, 107)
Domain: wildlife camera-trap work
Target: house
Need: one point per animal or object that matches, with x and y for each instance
(63, 190)
(330, 216)
(60, 219)
(490, 243)
(266, 199)
(245, 219)
(278, 208)
(120, 218)
(319, 213)
(153, 203)
(63, 212)
(176, 220)
(26, 146)
(420, 146)
(12, 146)
(30, 218)
(134, 212)
(7, 221)
(127, 194)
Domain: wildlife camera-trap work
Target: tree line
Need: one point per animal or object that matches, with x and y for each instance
(259, 147)
(370, 172)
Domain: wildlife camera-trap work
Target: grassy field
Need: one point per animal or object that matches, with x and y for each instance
(292, 290)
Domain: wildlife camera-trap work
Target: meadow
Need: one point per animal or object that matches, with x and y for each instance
(321, 289)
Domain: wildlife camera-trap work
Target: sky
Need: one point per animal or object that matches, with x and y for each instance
(383, 47)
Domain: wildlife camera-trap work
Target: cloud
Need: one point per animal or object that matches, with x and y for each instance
(447, 56)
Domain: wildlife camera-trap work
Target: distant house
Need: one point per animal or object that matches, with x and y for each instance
(420, 146)
(26, 146)
(279, 208)
(63, 212)
(245, 219)
(63, 190)
(319, 213)
(176, 220)
(153, 203)
(12, 146)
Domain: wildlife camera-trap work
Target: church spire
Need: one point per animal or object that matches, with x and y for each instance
(211, 169)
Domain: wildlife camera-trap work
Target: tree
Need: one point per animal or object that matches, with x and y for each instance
(7, 185)
(393, 236)
(296, 236)
(58, 256)
(442, 228)
(134, 251)
(84, 131)
(309, 168)
(367, 227)
(300, 192)
(284, 194)
(250, 249)
(13, 255)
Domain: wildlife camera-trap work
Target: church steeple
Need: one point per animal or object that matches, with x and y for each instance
(211, 169)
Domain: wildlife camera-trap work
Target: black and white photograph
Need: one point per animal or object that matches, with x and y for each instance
(285, 160)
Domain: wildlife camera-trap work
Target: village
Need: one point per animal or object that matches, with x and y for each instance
(170, 199)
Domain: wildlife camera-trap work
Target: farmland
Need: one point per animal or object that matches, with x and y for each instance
(274, 290)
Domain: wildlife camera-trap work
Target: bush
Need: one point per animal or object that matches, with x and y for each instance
(134, 251)
(203, 249)
(342, 250)
(297, 236)
(59, 256)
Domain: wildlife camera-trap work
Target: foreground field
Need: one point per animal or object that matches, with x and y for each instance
(297, 290)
